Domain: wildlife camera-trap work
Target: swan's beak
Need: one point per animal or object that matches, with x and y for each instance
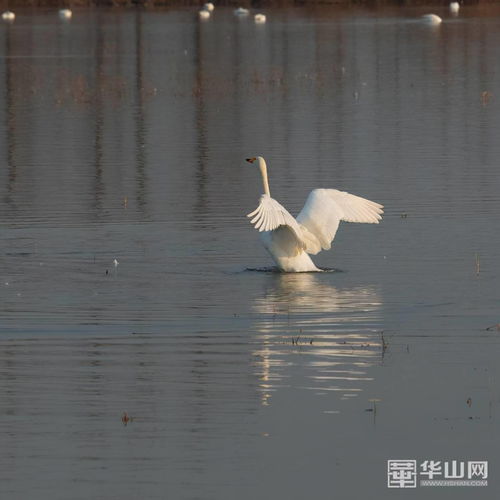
(250, 160)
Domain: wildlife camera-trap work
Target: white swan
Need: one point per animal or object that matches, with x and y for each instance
(290, 240)
(259, 18)
(204, 14)
(209, 6)
(454, 7)
(65, 14)
(241, 11)
(8, 16)
(432, 19)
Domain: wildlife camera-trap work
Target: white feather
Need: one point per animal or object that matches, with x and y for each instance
(270, 215)
(325, 208)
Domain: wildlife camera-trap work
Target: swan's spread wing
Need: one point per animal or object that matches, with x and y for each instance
(270, 215)
(325, 208)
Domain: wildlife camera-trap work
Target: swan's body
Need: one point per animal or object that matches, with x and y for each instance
(65, 14)
(8, 15)
(241, 11)
(431, 19)
(290, 240)
(204, 14)
(260, 18)
(454, 7)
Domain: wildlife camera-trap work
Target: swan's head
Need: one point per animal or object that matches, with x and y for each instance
(256, 159)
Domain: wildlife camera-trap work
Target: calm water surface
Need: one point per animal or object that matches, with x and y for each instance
(123, 135)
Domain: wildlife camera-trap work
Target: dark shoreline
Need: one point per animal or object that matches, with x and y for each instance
(13, 4)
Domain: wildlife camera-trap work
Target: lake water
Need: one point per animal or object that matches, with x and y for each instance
(123, 136)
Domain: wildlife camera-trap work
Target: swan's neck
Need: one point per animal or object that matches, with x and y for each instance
(263, 171)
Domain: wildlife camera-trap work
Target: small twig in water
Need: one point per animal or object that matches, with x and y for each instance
(385, 344)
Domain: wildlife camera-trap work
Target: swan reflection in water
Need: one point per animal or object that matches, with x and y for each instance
(316, 336)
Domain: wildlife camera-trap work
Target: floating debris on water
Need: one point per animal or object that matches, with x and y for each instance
(493, 327)
(485, 97)
(126, 419)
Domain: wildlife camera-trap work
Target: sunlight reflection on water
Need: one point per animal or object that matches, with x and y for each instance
(325, 330)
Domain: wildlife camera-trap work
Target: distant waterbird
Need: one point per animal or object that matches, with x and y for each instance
(431, 19)
(209, 6)
(204, 14)
(454, 7)
(241, 11)
(65, 14)
(8, 16)
(260, 18)
(291, 240)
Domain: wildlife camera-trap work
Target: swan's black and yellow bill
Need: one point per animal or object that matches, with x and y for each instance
(251, 160)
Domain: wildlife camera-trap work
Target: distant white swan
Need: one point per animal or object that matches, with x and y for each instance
(432, 19)
(204, 14)
(65, 14)
(259, 18)
(241, 11)
(454, 7)
(290, 240)
(209, 6)
(8, 15)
